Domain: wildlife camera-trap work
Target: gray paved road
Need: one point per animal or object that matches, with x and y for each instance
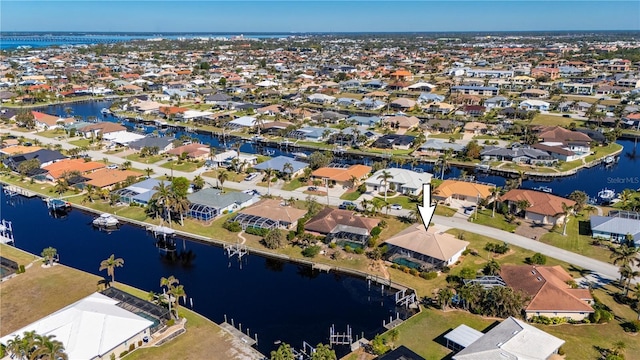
(603, 269)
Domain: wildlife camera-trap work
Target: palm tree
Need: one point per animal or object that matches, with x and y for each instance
(126, 165)
(628, 273)
(149, 171)
(170, 284)
(178, 292)
(48, 349)
(110, 264)
(268, 172)
(287, 169)
(623, 255)
(222, 177)
(163, 199)
(625, 197)
(444, 297)
(61, 186)
(566, 210)
(353, 180)
(49, 254)
(198, 182)
(443, 162)
(365, 205)
(181, 206)
(385, 176)
(15, 348)
(495, 192)
(522, 205)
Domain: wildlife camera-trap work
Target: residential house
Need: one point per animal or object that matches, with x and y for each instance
(225, 159)
(402, 104)
(193, 151)
(577, 88)
(568, 139)
(535, 94)
(474, 110)
(341, 225)
(44, 156)
(321, 99)
(310, 133)
(475, 90)
(511, 339)
(107, 178)
(47, 122)
(544, 208)
(345, 177)
(65, 167)
(402, 122)
(400, 353)
(497, 102)
(435, 147)
(365, 120)
(424, 249)
(545, 72)
(100, 129)
(426, 98)
(92, 328)
(11, 150)
(278, 164)
(475, 128)
(461, 190)
(617, 226)
(269, 214)
(140, 192)
(404, 181)
(518, 155)
(163, 144)
(209, 203)
(549, 291)
(394, 141)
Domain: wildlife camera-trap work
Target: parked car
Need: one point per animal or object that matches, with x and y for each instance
(112, 166)
(396, 207)
(251, 176)
(469, 210)
(312, 188)
(347, 205)
(566, 115)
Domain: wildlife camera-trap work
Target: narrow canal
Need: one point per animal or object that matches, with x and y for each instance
(279, 301)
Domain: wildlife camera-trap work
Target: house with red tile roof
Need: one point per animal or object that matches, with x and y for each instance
(544, 208)
(549, 291)
(342, 176)
(194, 151)
(101, 128)
(107, 178)
(46, 122)
(63, 167)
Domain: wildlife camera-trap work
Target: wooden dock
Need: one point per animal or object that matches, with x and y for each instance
(392, 324)
(237, 333)
(321, 267)
(18, 190)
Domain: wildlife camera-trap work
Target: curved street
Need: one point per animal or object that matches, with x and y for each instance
(600, 268)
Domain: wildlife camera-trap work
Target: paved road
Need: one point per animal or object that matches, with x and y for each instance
(602, 269)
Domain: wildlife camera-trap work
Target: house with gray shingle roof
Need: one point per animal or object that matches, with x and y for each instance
(209, 203)
(616, 226)
(162, 143)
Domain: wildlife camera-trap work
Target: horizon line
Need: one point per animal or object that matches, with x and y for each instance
(316, 32)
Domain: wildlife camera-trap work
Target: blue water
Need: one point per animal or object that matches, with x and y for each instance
(276, 300)
(623, 175)
(92, 39)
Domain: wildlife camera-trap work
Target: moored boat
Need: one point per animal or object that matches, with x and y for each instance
(606, 194)
(105, 221)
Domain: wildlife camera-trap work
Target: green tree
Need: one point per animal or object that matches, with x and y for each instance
(110, 264)
(176, 294)
(180, 186)
(492, 268)
(149, 171)
(324, 352)
(443, 162)
(268, 175)
(223, 176)
(61, 186)
(580, 197)
(283, 352)
(287, 170)
(312, 205)
(495, 193)
(49, 255)
(27, 166)
(444, 297)
(385, 176)
(319, 159)
(274, 239)
(566, 210)
(162, 200)
(46, 348)
(126, 165)
(26, 119)
(198, 182)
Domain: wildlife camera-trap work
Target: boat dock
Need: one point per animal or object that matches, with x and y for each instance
(239, 334)
(12, 190)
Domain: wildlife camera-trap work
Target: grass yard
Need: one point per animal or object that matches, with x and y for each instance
(81, 142)
(145, 160)
(17, 255)
(577, 239)
(552, 120)
(233, 176)
(457, 136)
(293, 184)
(350, 195)
(498, 222)
(52, 133)
(602, 151)
(444, 210)
(51, 289)
(186, 166)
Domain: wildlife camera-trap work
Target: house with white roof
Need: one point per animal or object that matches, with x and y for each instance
(535, 105)
(617, 226)
(511, 339)
(404, 181)
(92, 328)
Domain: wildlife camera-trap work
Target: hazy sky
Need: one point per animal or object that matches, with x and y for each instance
(317, 16)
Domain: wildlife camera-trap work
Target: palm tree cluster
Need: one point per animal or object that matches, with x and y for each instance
(626, 256)
(34, 346)
(168, 200)
(174, 293)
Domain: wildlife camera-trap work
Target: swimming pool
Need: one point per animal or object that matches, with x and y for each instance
(407, 263)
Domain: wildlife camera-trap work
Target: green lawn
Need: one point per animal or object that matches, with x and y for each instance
(81, 142)
(350, 195)
(186, 166)
(601, 151)
(293, 184)
(484, 218)
(552, 120)
(145, 160)
(233, 176)
(403, 200)
(52, 133)
(577, 239)
(443, 210)
(456, 136)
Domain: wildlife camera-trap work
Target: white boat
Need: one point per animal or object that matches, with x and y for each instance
(609, 159)
(483, 167)
(106, 220)
(105, 111)
(606, 194)
(299, 155)
(159, 230)
(544, 189)
(6, 232)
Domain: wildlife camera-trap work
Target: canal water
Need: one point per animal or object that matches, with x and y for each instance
(625, 174)
(279, 301)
